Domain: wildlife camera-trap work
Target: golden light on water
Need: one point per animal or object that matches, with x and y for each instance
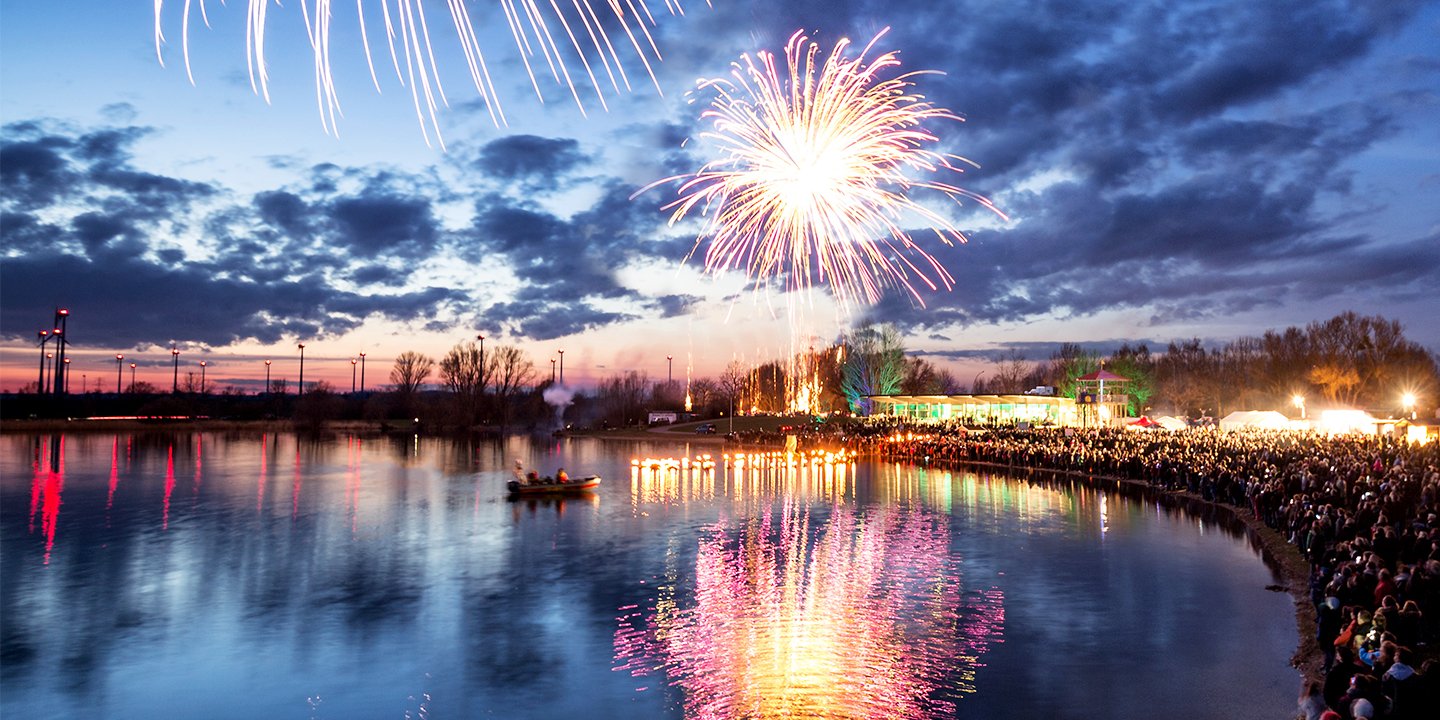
(798, 614)
(814, 165)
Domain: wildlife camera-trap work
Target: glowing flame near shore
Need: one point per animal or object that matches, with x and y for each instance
(816, 160)
(543, 36)
(845, 615)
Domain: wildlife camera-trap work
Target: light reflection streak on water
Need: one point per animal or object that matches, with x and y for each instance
(169, 486)
(46, 485)
(744, 477)
(114, 478)
(295, 486)
(199, 461)
(352, 485)
(264, 464)
(846, 615)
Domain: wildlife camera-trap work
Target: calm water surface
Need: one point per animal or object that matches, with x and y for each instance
(241, 576)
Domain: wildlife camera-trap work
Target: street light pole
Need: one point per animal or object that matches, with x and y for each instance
(202, 376)
(562, 367)
(132, 377)
(353, 361)
(119, 372)
(62, 365)
(301, 390)
(175, 378)
(669, 370)
(362, 372)
(552, 371)
(267, 377)
(40, 384)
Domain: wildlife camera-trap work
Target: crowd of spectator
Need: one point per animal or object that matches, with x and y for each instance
(1363, 510)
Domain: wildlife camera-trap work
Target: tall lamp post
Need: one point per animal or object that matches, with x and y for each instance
(62, 364)
(301, 390)
(267, 377)
(669, 370)
(49, 363)
(119, 372)
(353, 362)
(132, 377)
(175, 378)
(40, 384)
(552, 371)
(362, 372)
(202, 376)
(562, 367)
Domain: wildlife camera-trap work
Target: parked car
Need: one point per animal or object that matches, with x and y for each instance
(705, 429)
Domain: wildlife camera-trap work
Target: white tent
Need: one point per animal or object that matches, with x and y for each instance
(1170, 422)
(1257, 419)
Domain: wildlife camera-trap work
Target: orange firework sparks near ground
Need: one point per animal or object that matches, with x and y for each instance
(816, 163)
(545, 36)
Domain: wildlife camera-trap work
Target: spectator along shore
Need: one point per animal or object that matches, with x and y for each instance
(1352, 524)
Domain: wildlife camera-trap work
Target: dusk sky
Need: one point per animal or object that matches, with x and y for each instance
(1170, 169)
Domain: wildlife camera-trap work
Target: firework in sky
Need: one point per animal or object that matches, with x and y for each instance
(547, 34)
(816, 160)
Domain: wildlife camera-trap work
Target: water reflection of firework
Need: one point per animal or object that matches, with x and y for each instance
(861, 617)
(816, 160)
(547, 36)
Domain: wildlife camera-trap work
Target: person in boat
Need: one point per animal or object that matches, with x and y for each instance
(519, 472)
(561, 476)
(532, 478)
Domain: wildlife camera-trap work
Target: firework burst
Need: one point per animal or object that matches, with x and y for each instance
(546, 35)
(816, 161)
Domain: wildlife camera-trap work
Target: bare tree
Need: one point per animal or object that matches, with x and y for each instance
(704, 391)
(464, 375)
(512, 371)
(1011, 370)
(623, 395)
(731, 384)
(922, 378)
(874, 364)
(410, 372)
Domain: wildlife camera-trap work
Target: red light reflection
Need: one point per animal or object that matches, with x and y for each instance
(114, 477)
(169, 487)
(45, 488)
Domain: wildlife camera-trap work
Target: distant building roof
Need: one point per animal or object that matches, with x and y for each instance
(1103, 374)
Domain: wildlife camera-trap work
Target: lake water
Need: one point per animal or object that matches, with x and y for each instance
(204, 575)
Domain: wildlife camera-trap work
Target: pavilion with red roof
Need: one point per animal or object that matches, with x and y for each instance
(1097, 405)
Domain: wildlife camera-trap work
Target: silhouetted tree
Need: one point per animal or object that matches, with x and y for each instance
(1010, 374)
(409, 372)
(463, 373)
(513, 372)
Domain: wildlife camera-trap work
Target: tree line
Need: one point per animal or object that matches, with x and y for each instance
(1349, 360)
